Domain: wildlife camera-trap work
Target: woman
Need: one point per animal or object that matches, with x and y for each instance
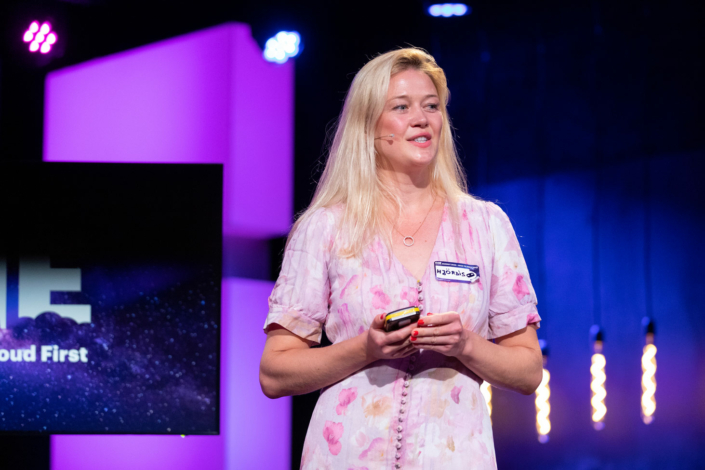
(392, 204)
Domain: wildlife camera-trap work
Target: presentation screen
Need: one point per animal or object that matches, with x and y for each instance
(110, 280)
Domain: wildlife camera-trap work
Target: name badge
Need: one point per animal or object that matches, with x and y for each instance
(456, 272)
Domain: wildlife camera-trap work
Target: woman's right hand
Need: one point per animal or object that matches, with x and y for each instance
(392, 345)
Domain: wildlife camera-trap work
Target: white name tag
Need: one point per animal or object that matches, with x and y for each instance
(456, 272)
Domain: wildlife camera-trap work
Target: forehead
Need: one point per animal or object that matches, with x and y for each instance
(412, 83)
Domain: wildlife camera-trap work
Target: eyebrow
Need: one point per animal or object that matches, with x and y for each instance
(407, 96)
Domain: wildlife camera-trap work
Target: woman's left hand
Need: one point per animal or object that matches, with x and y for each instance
(443, 333)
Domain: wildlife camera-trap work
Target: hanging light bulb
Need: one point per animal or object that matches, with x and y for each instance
(487, 393)
(648, 376)
(543, 393)
(597, 385)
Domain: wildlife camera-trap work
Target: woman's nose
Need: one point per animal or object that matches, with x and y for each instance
(418, 118)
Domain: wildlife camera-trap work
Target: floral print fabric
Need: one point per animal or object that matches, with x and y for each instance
(424, 411)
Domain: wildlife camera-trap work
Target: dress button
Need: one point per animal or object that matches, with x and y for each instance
(420, 297)
(403, 401)
(420, 283)
(398, 456)
(399, 429)
(407, 384)
(419, 288)
(397, 465)
(398, 445)
(412, 367)
(413, 358)
(420, 306)
(401, 410)
(399, 437)
(401, 419)
(407, 376)
(404, 393)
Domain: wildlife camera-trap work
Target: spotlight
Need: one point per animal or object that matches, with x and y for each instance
(40, 38)
(597, 385)
(449, 9)
(487, 393)
(648, 377)
(282, 46)
(543, 406)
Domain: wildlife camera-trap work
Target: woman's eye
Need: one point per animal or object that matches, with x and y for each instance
(401, 107)
(433, 107)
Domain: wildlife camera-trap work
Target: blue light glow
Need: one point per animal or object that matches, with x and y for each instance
(449, 9)
(283, 45)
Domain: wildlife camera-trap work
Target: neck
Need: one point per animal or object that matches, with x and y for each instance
(413, 188)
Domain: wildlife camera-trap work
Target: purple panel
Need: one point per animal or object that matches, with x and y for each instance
(263, 122)
(136, 452)
(206, 97)
(162, 103)
(255, 431)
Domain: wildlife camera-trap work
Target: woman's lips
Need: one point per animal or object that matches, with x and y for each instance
(423, 145)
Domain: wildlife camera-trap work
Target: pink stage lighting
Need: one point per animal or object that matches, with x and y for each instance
(40, 38)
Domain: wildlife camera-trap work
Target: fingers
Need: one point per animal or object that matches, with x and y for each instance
(400, 349)
(378, 322)
(437, 331)
(405, 351)
(399, 335)
(434, 319)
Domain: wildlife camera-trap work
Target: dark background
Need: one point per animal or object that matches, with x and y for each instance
(585, 119)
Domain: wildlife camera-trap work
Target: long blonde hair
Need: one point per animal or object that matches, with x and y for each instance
(350, 176)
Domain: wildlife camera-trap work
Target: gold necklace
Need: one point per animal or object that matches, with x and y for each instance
(411, 237)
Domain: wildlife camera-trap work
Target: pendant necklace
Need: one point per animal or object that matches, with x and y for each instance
(411, 237)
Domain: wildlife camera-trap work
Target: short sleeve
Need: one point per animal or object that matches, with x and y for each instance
(299, 300)
(512, 297)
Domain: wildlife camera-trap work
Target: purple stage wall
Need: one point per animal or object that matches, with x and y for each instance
(206, 97)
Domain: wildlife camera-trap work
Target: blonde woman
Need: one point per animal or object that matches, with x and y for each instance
(391, 225)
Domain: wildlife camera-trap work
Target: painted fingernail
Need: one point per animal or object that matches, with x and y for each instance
(381, 317)
(420, 322)
(429, 314)
(413, 338)
(415, 333)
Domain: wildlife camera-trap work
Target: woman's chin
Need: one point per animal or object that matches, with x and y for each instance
(422, 160)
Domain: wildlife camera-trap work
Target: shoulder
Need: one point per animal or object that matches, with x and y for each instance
(319, 218)
(472, 207)
(484, 217)
(316, 226)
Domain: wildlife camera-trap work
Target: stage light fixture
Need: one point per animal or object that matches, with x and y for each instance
(543, 393)
(648, 377)
(282, 46)
(40, 38)
(487, 393)
(449, 9)
(597, 385)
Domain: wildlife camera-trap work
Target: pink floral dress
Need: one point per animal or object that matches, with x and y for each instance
(424, 411)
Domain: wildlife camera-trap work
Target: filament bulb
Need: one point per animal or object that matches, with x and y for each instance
(487, 393)
(648, 383)
(599, 410)
(543, 408)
